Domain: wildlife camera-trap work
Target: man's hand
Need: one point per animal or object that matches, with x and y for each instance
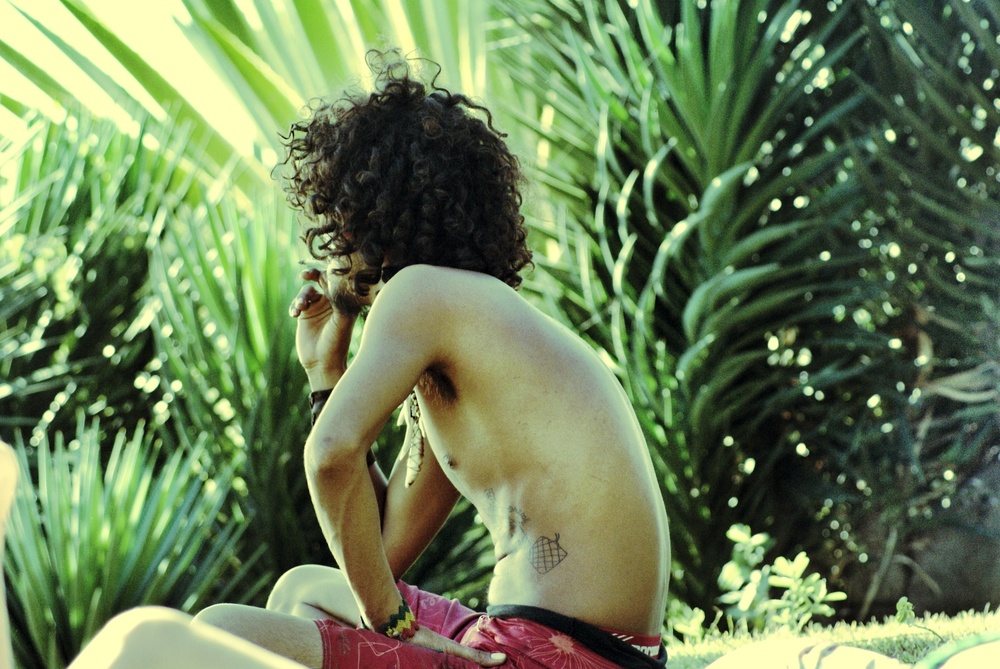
(427, 639)
(323, 334)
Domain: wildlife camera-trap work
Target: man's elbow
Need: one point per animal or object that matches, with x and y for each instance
(330, 451)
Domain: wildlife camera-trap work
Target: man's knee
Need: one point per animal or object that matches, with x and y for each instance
(223, 616)
(147, 622)
(136, 637)
(314, 591)
(302, 589)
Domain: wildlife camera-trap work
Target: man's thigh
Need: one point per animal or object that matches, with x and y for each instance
(350, 647)
(318, 592)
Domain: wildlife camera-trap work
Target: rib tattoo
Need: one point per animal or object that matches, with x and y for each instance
(546, 554)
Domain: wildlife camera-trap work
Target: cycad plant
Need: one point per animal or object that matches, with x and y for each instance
(81, 205)
(86, 541)
(727, 170)
(700, 244)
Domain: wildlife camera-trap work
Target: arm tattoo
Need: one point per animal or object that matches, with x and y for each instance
(546, 554)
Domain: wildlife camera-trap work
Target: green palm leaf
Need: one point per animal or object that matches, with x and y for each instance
(75, 316)
(697, 153)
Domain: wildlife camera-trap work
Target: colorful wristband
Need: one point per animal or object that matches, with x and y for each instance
(402, 624)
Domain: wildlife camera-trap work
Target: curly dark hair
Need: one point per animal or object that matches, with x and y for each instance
(406, 175)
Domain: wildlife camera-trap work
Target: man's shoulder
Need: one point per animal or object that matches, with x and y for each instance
(430, 286)
(447, 301)
(441, 306)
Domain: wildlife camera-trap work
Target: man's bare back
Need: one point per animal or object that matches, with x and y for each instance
(532, 427)
(413, 206)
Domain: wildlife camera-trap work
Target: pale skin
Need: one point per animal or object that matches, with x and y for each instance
(525, 418)
(151, 637)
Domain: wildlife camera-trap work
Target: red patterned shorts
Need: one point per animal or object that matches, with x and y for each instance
(527, 644)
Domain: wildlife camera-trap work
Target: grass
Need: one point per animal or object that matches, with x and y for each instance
(906, 642)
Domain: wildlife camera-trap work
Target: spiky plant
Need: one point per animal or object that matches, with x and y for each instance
(224, 279)
(86, 541)
(700, 147)
(82, 203)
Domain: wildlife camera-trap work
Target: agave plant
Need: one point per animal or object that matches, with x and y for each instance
(700, 146)
(75, 314)
(86, 542)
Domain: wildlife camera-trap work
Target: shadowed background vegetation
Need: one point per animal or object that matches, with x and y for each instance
(777, 219)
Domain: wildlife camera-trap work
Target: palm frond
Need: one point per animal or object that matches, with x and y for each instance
(75, 321)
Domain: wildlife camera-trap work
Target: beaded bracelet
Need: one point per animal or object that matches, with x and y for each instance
(402, 624)
(317, 399)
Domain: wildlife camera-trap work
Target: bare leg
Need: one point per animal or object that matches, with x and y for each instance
(314, 591)
(301, 595)
(8, 483)
(289, 636)
(159, 638)
(803, 654)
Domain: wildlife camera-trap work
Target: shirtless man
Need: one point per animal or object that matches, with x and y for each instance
(414, 205)
(510, 410)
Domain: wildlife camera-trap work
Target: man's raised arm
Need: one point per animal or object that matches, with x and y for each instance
(400, 341)
(413, 514)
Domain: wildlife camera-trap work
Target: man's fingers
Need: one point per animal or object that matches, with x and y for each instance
(480, 657)
(308, 297)
(311, 274)
(429, 639)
